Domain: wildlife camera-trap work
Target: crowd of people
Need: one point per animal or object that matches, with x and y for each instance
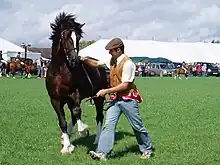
(41, 67)
(193, 69)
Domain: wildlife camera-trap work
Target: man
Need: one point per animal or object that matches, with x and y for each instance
(39, 68)
(184, 66)
(125, 98)
(18, 57)
(1, 55)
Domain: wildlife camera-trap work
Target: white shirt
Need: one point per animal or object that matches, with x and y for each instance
(38, 62)
(128, 71)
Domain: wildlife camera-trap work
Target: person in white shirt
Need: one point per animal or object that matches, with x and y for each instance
(38, 61)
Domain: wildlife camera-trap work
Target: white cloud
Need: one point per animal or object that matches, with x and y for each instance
(188, 20)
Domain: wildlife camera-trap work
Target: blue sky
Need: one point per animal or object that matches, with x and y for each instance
(188, 20)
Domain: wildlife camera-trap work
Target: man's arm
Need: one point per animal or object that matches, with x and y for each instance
(92, 62)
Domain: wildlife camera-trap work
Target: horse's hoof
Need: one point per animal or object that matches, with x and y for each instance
(68, 150)
(84, 133)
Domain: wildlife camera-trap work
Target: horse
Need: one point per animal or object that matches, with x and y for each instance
(30, 67)
(69, 80)
(181, 71)
(3, 67)
(21, 65)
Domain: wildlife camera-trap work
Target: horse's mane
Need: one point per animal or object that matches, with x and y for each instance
(62, 19)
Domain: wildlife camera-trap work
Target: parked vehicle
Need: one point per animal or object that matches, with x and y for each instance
(160, 69)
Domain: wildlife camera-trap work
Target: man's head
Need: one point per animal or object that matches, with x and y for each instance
(115, 47)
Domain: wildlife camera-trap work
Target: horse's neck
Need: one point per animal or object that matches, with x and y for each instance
(58, 64)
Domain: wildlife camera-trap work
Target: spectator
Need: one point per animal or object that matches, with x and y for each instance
(204, 68)
(38, 61)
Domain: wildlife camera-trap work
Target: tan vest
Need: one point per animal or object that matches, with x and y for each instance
(116, 75)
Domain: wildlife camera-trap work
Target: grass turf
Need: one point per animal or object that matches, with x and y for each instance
(181, 116)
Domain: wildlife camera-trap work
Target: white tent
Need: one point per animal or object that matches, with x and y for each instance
(6, 46)
(174, 51)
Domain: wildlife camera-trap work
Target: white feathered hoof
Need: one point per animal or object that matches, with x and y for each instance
(68, 150)
(84, 133)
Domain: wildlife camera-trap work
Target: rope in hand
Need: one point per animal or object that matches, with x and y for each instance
(105, 102)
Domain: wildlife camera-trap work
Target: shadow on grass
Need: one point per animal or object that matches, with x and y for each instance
(88, 141)
(131, 149)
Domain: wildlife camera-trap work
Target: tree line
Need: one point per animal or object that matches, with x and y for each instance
(215, 41)
(84, 44)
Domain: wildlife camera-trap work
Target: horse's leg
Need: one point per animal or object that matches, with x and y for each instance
(186, 75)
(26, 73)
(65, 141)
(72, 123)
(179, 75)
(76, 118)
(76, 112)
(27, 70)
(175, 75)
(99, 104)
(1, 71)
(7, 72)
(13, 74)
(29, 75)
(21, 73)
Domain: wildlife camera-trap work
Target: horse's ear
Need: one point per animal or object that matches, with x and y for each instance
(81, 25)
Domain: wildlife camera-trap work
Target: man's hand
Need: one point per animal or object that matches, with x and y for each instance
(82, 58)
(102, 93)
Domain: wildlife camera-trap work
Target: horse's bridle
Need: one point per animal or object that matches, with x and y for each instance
(75, 49)
(64, 46)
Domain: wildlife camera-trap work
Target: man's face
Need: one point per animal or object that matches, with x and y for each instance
(115, 52)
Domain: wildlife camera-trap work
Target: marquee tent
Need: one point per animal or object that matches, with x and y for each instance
(6, 46)
(11, 50)
(174, 51)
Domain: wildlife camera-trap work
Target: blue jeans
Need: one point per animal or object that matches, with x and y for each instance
(38, 71)
(130, 109)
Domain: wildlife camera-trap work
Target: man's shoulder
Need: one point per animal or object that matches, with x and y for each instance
(129, 63)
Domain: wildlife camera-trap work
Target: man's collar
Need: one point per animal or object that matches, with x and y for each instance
(120, 58)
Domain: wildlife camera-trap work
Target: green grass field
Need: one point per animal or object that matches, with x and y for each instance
(182, 117)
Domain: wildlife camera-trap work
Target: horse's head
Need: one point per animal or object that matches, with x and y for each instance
(66, 36)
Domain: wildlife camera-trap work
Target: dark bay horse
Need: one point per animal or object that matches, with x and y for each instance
(70, 80)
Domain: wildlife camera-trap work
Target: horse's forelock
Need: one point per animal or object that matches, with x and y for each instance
(64, 20)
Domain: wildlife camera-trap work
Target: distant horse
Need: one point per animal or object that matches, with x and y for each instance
(30, 67)
(22, 66)
(181, 71)
(69, 80)
(3, 67)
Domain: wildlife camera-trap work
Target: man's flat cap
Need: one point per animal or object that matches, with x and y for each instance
(114, 43)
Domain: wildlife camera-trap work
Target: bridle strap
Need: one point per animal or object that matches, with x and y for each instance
(66, 52)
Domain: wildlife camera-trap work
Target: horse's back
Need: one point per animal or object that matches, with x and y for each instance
(98, 75)
(90, 80)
